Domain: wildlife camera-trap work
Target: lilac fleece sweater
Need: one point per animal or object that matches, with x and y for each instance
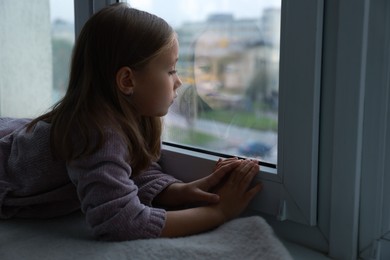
(117, 206)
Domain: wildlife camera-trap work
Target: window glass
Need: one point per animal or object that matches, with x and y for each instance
(34, 58)
(62, 40)
(229, 65)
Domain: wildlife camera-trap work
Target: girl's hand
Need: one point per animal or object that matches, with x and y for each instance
(236, 193)
(234, 196)
(221, 162)
(188, 194)
(199, 191)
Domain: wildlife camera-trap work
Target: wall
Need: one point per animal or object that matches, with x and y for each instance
(25, 57)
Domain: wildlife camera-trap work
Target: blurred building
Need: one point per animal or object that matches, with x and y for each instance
(224, 57)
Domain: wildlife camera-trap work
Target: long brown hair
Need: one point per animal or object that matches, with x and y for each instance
(114, 37)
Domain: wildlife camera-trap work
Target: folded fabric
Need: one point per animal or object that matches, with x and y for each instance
(68, 238)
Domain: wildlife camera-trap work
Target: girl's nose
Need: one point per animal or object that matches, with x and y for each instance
(178, 82)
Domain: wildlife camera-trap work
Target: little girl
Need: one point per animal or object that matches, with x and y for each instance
(97, 149)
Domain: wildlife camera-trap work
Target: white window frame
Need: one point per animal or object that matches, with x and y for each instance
(354, 143)
(285, 195)
(374, 209)
(354, 211)
(343, 107)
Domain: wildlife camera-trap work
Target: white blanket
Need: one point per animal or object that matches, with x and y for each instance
(68, 238)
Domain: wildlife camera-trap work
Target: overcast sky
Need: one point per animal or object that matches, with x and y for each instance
(198, 10)
(177, 11)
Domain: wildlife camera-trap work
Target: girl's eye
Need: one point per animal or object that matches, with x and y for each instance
(172, 72)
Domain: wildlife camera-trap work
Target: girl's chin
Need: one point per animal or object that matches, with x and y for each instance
(162, 113)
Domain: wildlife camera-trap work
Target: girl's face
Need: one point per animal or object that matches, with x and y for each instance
(155, 85)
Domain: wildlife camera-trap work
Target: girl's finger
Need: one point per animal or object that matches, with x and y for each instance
(222, 162)
(247, 178)
(241, 171)
(220, 173)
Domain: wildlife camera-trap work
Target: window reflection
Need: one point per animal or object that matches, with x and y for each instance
(229, 65)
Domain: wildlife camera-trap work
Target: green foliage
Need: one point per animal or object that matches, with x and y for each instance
(192, 137)
(243, 119)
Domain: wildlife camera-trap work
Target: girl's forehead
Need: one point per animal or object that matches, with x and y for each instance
(169, 55)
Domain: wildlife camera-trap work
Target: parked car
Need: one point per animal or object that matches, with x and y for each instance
(254, 149)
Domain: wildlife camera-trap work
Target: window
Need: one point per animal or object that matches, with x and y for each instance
(292, 56)
(35, 56)
(251, 76)
(63, 37)
(229, 66)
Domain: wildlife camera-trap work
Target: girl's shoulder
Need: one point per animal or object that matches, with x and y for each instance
(100, 148)
(9, 125)
(110, 139)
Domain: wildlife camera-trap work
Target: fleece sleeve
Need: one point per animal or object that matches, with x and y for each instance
(151, 182)
(9, 125)
(109, 198)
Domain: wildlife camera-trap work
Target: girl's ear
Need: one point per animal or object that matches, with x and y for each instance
(124, 80)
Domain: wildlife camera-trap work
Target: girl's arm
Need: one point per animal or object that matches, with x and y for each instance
(109, 198)
(175, 193)
(152, 182)
(191, 221)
